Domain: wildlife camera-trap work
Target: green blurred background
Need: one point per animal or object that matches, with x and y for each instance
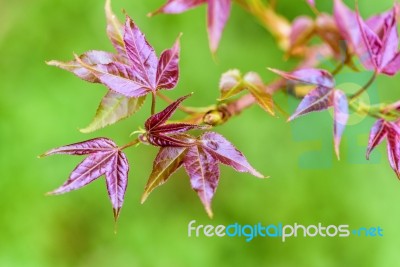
(42, 107)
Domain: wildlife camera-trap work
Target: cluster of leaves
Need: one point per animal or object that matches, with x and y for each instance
(130, 74)
(135, 71)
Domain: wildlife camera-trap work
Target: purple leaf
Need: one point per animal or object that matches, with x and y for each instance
(393, 67)
(370, 46)
(117, 181)
(104, 158)
(142, 56)
(120, 78)
(347, 23)
(341, 115)
(168, 68)
(174, 128)
(308, 76)
(301, 31)
(390, 39)
(317, 100)
(218, 14)
(168, 160)
(393, 147)
(174, 140)
(178, 6)
(376, 136)
(161, 117)
(203, 171)
(86, 172)
(226, 153)
(83, 148)
(89, 58)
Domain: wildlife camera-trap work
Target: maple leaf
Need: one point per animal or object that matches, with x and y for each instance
(104, 158)
(322, 97)
(390, 130)
(200, 161)
(374, 41)
(133, 72)
(217, 15)
(232, 83)
(160, 133)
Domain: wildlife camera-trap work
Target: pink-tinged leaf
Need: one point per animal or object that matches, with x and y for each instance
(393, 147)
(141, 54)
(375, 23)
(301, 31)
(86, 172)
(370, 46)
(341, 115)
(83, 148)
(376, 136)
(217, 16)
(168, 160)
(317, 100)
(117, 181)
(115, 30)
(308, 76)
(170, 140)
(175, 128)
(178, 6)
(119, 78)
(161, 117)
(203, 171)
(89, 58)
(113, 108)
(347, 23)
(390, 39)
(168, 68)
(222, 150)
(393, 67)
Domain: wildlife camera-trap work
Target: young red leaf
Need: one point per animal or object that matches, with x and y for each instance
(168, 68)
(301, 32)
(369, 47)
(113, 108)
(308, 76)
(115, 30)
(341, 115)
(203, 170)
(83, 148)
(119, 78)
(162, 117)
(89, 58)
(376, 136)
(176, 140)
(222, 150)
(117, 181)
(104, 158)
(217, 15)
(218, 12)
(390, 39)
(317, 100)
(141, 54)
(168, 160)
(178, 6)
(393, 146)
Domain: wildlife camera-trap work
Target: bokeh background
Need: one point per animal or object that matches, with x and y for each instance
(42, 107)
